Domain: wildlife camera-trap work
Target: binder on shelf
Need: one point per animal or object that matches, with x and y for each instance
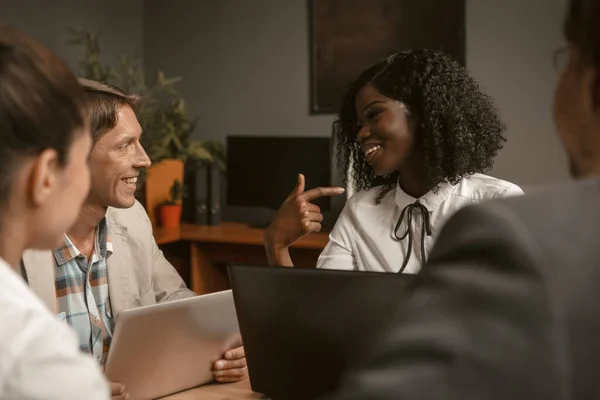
(195, 205)
(215, 181)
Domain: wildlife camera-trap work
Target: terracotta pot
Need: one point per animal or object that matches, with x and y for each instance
(159, 180)
(170, 215)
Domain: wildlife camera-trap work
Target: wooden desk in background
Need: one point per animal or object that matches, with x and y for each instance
(218, 391)
(200, 253)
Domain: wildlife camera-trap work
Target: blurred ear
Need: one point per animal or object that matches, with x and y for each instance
(594, 85)
(44, 176)
(590, 137)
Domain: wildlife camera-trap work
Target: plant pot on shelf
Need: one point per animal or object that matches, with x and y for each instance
(170, 215)
(158, 183)
(169, 211)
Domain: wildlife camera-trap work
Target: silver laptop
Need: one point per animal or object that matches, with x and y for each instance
(162, 349)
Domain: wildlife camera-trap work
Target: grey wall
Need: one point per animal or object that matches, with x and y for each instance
(244, 63)
(509, 50)
(246, 70)
(119, 22)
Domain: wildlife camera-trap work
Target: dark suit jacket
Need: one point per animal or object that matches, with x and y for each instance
(508, 307)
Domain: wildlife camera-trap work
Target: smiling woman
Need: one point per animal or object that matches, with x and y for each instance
(416, 134)
(429, 112)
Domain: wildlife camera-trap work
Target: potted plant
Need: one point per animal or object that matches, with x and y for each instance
(170, 210)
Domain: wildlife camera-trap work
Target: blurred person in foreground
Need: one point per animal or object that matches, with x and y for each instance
(44, 178)
(507, 307)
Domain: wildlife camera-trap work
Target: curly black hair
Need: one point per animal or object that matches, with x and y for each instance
(458, 129)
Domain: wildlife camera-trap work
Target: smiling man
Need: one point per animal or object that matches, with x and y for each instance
(110, 261)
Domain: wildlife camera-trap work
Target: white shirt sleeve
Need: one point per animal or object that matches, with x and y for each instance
(44, 363)
(338, 253)
(513, 190)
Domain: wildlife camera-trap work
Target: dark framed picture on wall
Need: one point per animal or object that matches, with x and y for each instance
(347, 36)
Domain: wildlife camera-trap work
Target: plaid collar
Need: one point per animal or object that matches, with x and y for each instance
(69, 252)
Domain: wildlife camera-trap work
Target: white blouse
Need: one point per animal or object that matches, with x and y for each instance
(40, 356)
(365, 237)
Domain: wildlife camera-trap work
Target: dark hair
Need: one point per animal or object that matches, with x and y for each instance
(103, 102)
(41, 104)
(458, 129)
(581, 27)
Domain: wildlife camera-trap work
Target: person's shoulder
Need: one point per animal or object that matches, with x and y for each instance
(560, 208)
(24, 315)
(479, 187)
(133, 223)
(128, 217)
(41, 349)
(14, 293)
(568, 198)
(551, 227)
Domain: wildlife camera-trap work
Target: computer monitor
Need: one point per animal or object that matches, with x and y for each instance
(262, 171)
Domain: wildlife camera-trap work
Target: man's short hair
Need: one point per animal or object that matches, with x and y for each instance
(581, 27)
(104, 102)
(42, 105)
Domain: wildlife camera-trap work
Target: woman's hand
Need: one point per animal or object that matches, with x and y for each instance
(296, 218)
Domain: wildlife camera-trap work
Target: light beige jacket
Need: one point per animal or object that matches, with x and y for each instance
(138, 273)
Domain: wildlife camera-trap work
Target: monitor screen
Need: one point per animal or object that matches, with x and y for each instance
(262, 171)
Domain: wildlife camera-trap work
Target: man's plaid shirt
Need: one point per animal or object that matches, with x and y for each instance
(82, 293)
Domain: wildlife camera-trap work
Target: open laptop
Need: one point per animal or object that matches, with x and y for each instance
(162, 349)
(302, 328)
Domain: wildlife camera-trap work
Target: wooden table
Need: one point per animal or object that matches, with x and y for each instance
(201, 252)
(218, 391)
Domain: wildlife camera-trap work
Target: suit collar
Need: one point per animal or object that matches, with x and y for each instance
(119, 264)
